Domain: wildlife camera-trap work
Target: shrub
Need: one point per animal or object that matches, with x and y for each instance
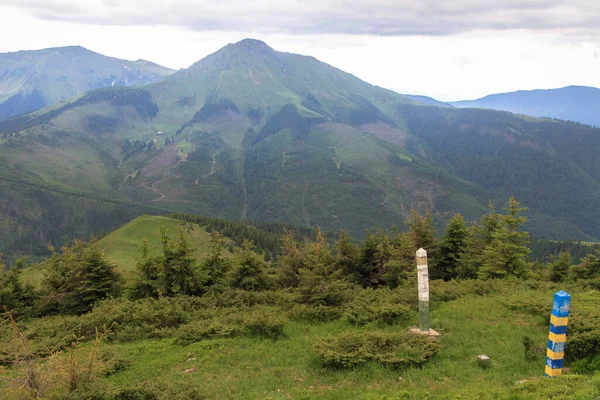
(454, 289)
(264, 322)
(136, 394)
(395, 350)
(314, 313)
(203, 330)
(385, 314)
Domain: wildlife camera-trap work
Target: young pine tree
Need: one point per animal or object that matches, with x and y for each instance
(215, 266)
(480, 236)
(92, 279)
(451, 250)
(321, 282)
(588, 268)
(506, 255)
(560, 266)
(291, 262)
(422, 232)
(179, 273)
(397, 256)
(77, 279)
(347, 255)
(14, 295)
(147, 283)
(248, 269)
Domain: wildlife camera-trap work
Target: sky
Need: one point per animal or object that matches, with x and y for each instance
(449, 50)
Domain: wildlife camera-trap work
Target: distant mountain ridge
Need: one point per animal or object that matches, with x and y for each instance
(571, 103)
(428, 101)
(251, 133)
(33, 79)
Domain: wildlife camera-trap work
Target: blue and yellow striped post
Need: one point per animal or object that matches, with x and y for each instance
(558, 333)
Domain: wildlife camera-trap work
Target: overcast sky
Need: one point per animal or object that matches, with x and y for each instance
(450, 50)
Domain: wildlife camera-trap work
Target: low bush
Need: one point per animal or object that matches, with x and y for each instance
(203, 330)
(314, 313)
(264, 322)
(394, 350)
(375, 306)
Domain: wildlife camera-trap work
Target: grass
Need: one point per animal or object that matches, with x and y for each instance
(250, 368)
(121, 247)
(253, 368)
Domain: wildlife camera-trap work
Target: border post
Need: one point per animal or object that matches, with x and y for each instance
(423, 285)
(558, 333)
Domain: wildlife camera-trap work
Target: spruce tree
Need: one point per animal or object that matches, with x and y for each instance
(347, 255)
(321, 281)
(397, 256)
(422, 231)
(179, 273)
(77, 279)
(291, 262)
(215, 266)
(560, 266)
(480, 236)
(452, 248)
(148, 270)
(588, 268)
(506, 255)
(248, 271)
(92, 279)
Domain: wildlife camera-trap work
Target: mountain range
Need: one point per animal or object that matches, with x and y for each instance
(252, 133)
(572, 103)
(30, 80)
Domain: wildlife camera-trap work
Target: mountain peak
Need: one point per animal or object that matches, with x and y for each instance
(252, 45)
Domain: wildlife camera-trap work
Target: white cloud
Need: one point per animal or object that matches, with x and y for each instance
(377, 17)
(449, 67)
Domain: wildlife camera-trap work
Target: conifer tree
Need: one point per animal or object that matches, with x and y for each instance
(452, 248)
(560, 266)
(77, 279)
(422, 231)
(588, 268)
(14, 295)
(397, 257)
(321, 281)
(370, 268)
(248, 271)
(480, 236)
(92, 279)
(347, 255)
(291, 262)
(215, 266)
(179, 273)
(147, 267)
(506, 255)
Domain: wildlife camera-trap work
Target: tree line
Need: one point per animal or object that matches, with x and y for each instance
(320, 271)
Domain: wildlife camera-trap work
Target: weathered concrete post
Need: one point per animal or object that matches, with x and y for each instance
(558, 333)
(423, 285)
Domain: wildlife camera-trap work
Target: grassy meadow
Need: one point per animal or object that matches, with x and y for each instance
(141, 359)
(122, 246)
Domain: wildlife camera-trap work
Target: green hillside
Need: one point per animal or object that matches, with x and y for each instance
(252, 133)
(121, 247)
(30, 80)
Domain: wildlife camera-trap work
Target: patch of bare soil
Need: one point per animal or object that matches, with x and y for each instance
(385, 132)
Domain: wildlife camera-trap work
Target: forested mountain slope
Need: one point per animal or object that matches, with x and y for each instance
(249, 132)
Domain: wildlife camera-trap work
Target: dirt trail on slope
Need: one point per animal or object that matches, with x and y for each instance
(155, 190)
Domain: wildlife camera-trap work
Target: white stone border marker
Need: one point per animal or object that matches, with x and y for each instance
(423, 285)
